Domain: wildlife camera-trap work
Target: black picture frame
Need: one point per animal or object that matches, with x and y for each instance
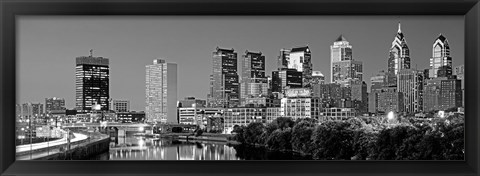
(470, 9)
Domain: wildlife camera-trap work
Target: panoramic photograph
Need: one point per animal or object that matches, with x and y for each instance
(240, 88)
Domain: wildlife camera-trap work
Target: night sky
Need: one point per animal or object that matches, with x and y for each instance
(47, 47)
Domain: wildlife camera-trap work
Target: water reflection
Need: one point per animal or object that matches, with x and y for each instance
(138, 148)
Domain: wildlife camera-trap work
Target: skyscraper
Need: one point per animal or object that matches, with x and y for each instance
(285, 79)
(440, 60)
(300, 59)
(161, 92)
(54, 104)
(399, 57)
(341, 50)
(225, 84)
(344, 70)
(254, 81)
(283, 59)
(92, 82)
(359, 96)
(377, 84)
(410, 84)
(442, 93)
(347, 72)
(459, 72)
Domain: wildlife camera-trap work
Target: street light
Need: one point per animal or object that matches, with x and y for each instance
(441, 114)
(391, 115)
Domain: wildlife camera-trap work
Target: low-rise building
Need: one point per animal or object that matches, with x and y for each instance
(336, 114)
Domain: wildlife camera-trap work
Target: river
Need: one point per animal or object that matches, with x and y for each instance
(140, 148)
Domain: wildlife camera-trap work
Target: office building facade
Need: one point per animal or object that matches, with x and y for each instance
(286, 78)
(120, 105)
(300, 60)
(410, 84)
(225, 87)
(254, 82)
(92, 83)
(441, 61)
(399, 57)
(54, 104)
(161, 92)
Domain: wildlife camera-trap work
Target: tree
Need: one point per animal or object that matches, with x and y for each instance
(333, 141)
(280, 140)
(302, 136)
(363, 143)
(253, 133)
(284, 122)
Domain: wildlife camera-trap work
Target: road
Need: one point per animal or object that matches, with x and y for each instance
(45, 145)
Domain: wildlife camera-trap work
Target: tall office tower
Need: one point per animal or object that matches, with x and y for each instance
(410, 84)
(285, 79)
(318, 77)
(347, 72)
(359, 97)
(300, 59)
(54, 104)
(120, 105)
(399, 57)
(283, 59)
(377, 83)
(341, 50)
(440, 58)
(254, 82)
(161, 92)
(225, 84)
(343, 69)
(92, 83)
(459, 72)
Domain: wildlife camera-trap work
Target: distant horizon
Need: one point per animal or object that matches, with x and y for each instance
(48, 45)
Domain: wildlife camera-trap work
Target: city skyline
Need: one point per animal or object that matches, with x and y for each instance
(373, 56)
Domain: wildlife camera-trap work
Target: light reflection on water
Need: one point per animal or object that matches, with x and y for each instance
(138, 148)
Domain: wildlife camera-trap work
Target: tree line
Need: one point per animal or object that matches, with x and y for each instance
(359, 138)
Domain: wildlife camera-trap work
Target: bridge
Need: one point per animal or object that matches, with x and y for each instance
(119, 130)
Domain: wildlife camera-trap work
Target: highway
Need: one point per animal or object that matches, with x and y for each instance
(44, 145)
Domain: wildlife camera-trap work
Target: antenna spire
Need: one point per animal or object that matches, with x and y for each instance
(399, 27)
(91, 52)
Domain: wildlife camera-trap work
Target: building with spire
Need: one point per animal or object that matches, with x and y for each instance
(344, 69)
(399, 57)
(92, 83)
(225, 88)
(441, 61)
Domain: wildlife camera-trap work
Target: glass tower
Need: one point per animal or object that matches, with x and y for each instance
(161, 92)
(92, 83)
(399, 57)
(440, 58)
